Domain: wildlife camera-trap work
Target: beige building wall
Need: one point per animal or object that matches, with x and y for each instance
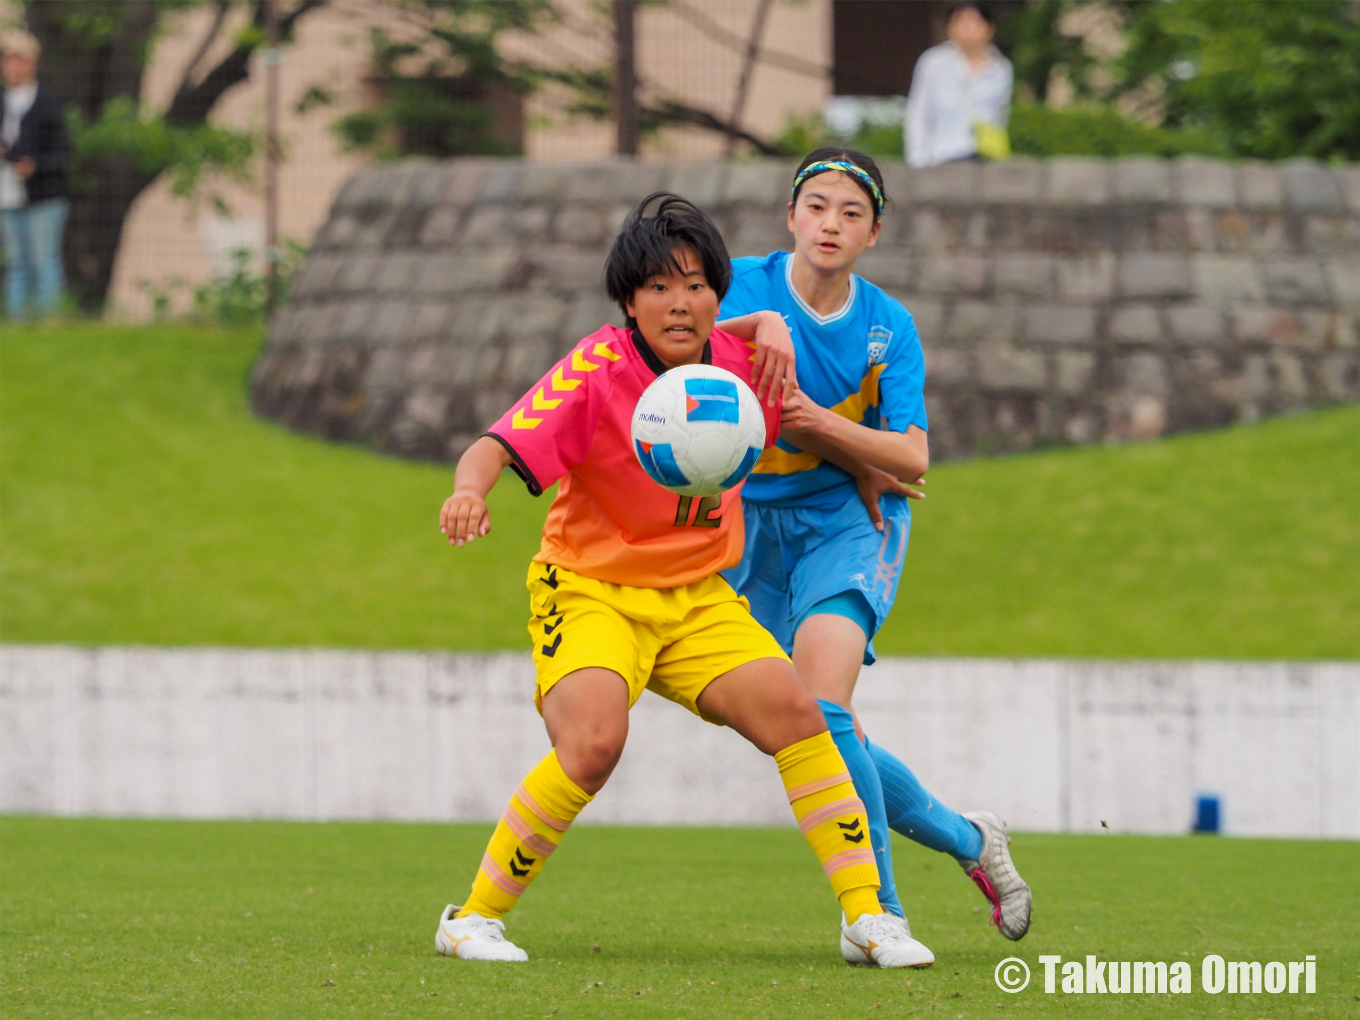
(690, 51)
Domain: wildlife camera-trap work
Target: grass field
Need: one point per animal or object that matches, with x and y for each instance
(259, 919)
(141, 503)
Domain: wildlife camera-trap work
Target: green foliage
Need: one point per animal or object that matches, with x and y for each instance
(118, 918)
(218, 528)
(420, 116)
(1270, 79)
(233, 299)
(1099, 131)
(1029, 34)
(803, 133)
(151, 146)
(440, 95)
(237, 297)
(1252, 78)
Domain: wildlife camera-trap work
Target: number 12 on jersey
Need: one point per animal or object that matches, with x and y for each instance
(706, 516)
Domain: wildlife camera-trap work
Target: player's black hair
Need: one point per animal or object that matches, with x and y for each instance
(984, 10)
(842, 154)
(647, 244)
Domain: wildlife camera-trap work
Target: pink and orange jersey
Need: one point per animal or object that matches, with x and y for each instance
(610, 521)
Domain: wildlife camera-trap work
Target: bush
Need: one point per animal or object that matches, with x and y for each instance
(1098, 131)
(802, 134)
(237, 297)
(234, 298)
(1035, 129)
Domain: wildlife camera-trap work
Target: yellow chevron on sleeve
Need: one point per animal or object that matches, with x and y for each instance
(775, 461)
(580, 364)
(603, 350)
(543, 402)
(520, 421)
(561, 383)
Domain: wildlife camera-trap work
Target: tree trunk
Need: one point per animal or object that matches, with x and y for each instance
(95, 228)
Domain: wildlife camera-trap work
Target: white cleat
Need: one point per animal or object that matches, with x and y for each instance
(995, 874)
(882, 940)
(475, 938)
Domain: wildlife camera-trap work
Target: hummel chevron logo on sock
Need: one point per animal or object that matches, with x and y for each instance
(539, 812)
(853, 833)
(821, 793)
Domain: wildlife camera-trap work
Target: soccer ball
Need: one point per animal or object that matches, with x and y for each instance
(698, 430)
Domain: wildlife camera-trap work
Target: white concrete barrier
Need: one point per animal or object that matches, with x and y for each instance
(1050, 745)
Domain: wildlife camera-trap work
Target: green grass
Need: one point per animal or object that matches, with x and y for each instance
(141, 503)
(262, 919)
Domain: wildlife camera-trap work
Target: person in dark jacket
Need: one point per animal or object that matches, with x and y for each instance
(33, 206)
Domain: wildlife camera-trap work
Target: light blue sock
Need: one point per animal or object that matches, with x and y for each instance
(842, 726)
(913, 812)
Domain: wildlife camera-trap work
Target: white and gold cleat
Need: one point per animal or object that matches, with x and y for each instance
(475, 938)
(882, 940)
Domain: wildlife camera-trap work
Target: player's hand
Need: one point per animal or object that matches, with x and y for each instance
(464, 518)
(801, 413)
(772, 373)
(25, 167)
(872, 483)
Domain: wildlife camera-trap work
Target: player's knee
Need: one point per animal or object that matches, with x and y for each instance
(793, 715)
(803, 715)
(590, 760)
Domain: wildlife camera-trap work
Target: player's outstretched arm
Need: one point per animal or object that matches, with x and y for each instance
(903, 455)
(871, 482)
(464, 516)
(772, 371)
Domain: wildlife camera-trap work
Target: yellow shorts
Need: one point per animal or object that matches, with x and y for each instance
(675, 641)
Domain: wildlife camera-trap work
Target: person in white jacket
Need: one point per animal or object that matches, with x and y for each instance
(956, 85)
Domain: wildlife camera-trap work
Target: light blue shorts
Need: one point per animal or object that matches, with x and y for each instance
(797, 557)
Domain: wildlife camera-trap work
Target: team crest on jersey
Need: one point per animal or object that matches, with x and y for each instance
(879, 338)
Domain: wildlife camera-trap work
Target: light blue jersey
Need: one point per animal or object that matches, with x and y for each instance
(810, 545)
(863, 362)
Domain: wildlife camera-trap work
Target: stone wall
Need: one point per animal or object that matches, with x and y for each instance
(1073, 300)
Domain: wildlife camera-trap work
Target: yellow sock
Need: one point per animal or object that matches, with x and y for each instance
(833, 821)
(536, 818)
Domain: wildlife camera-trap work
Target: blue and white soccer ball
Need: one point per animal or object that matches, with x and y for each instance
(698, 430)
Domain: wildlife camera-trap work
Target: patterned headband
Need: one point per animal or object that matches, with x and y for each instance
(823, 165)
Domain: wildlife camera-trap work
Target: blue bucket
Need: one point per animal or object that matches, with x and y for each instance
(1206, 814)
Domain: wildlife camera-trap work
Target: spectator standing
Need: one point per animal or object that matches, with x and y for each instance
(33, 205)
(958, 85)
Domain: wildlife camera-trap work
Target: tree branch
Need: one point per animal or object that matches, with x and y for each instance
(670, 111)
(192, 103)
(223, 6)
